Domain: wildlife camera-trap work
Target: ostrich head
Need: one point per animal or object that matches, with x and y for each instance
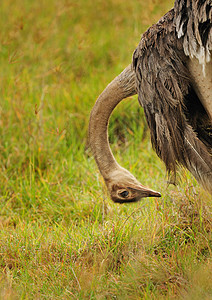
(122, 185)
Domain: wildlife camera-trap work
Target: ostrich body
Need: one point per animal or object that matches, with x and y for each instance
(172, 74)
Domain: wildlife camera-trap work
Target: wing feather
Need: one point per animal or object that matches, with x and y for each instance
(179, 126)
(193, 19)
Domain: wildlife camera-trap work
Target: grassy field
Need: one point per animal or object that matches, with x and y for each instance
(61, 237)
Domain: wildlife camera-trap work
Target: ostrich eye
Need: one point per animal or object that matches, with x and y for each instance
(124, 194)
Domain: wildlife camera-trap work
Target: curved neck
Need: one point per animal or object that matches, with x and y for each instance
(121, 87)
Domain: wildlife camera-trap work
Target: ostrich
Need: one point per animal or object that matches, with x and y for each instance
(171, 72)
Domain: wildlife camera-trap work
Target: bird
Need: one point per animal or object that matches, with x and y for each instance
(171, 72)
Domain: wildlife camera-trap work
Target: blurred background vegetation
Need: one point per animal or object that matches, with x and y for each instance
(61, 236)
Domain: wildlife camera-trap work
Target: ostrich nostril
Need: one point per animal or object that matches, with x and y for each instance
(124, 194)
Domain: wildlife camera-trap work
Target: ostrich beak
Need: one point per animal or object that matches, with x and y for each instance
(131, 193)
(144, 191)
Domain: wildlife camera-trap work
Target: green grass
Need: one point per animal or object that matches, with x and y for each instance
(61, 237)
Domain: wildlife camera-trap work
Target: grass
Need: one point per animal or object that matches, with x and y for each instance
(61, 237)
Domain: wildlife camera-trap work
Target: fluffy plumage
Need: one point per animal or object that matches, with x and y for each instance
(181, 131)
(194, 25)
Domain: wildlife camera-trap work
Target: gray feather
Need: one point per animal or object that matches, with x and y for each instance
(181, 131)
